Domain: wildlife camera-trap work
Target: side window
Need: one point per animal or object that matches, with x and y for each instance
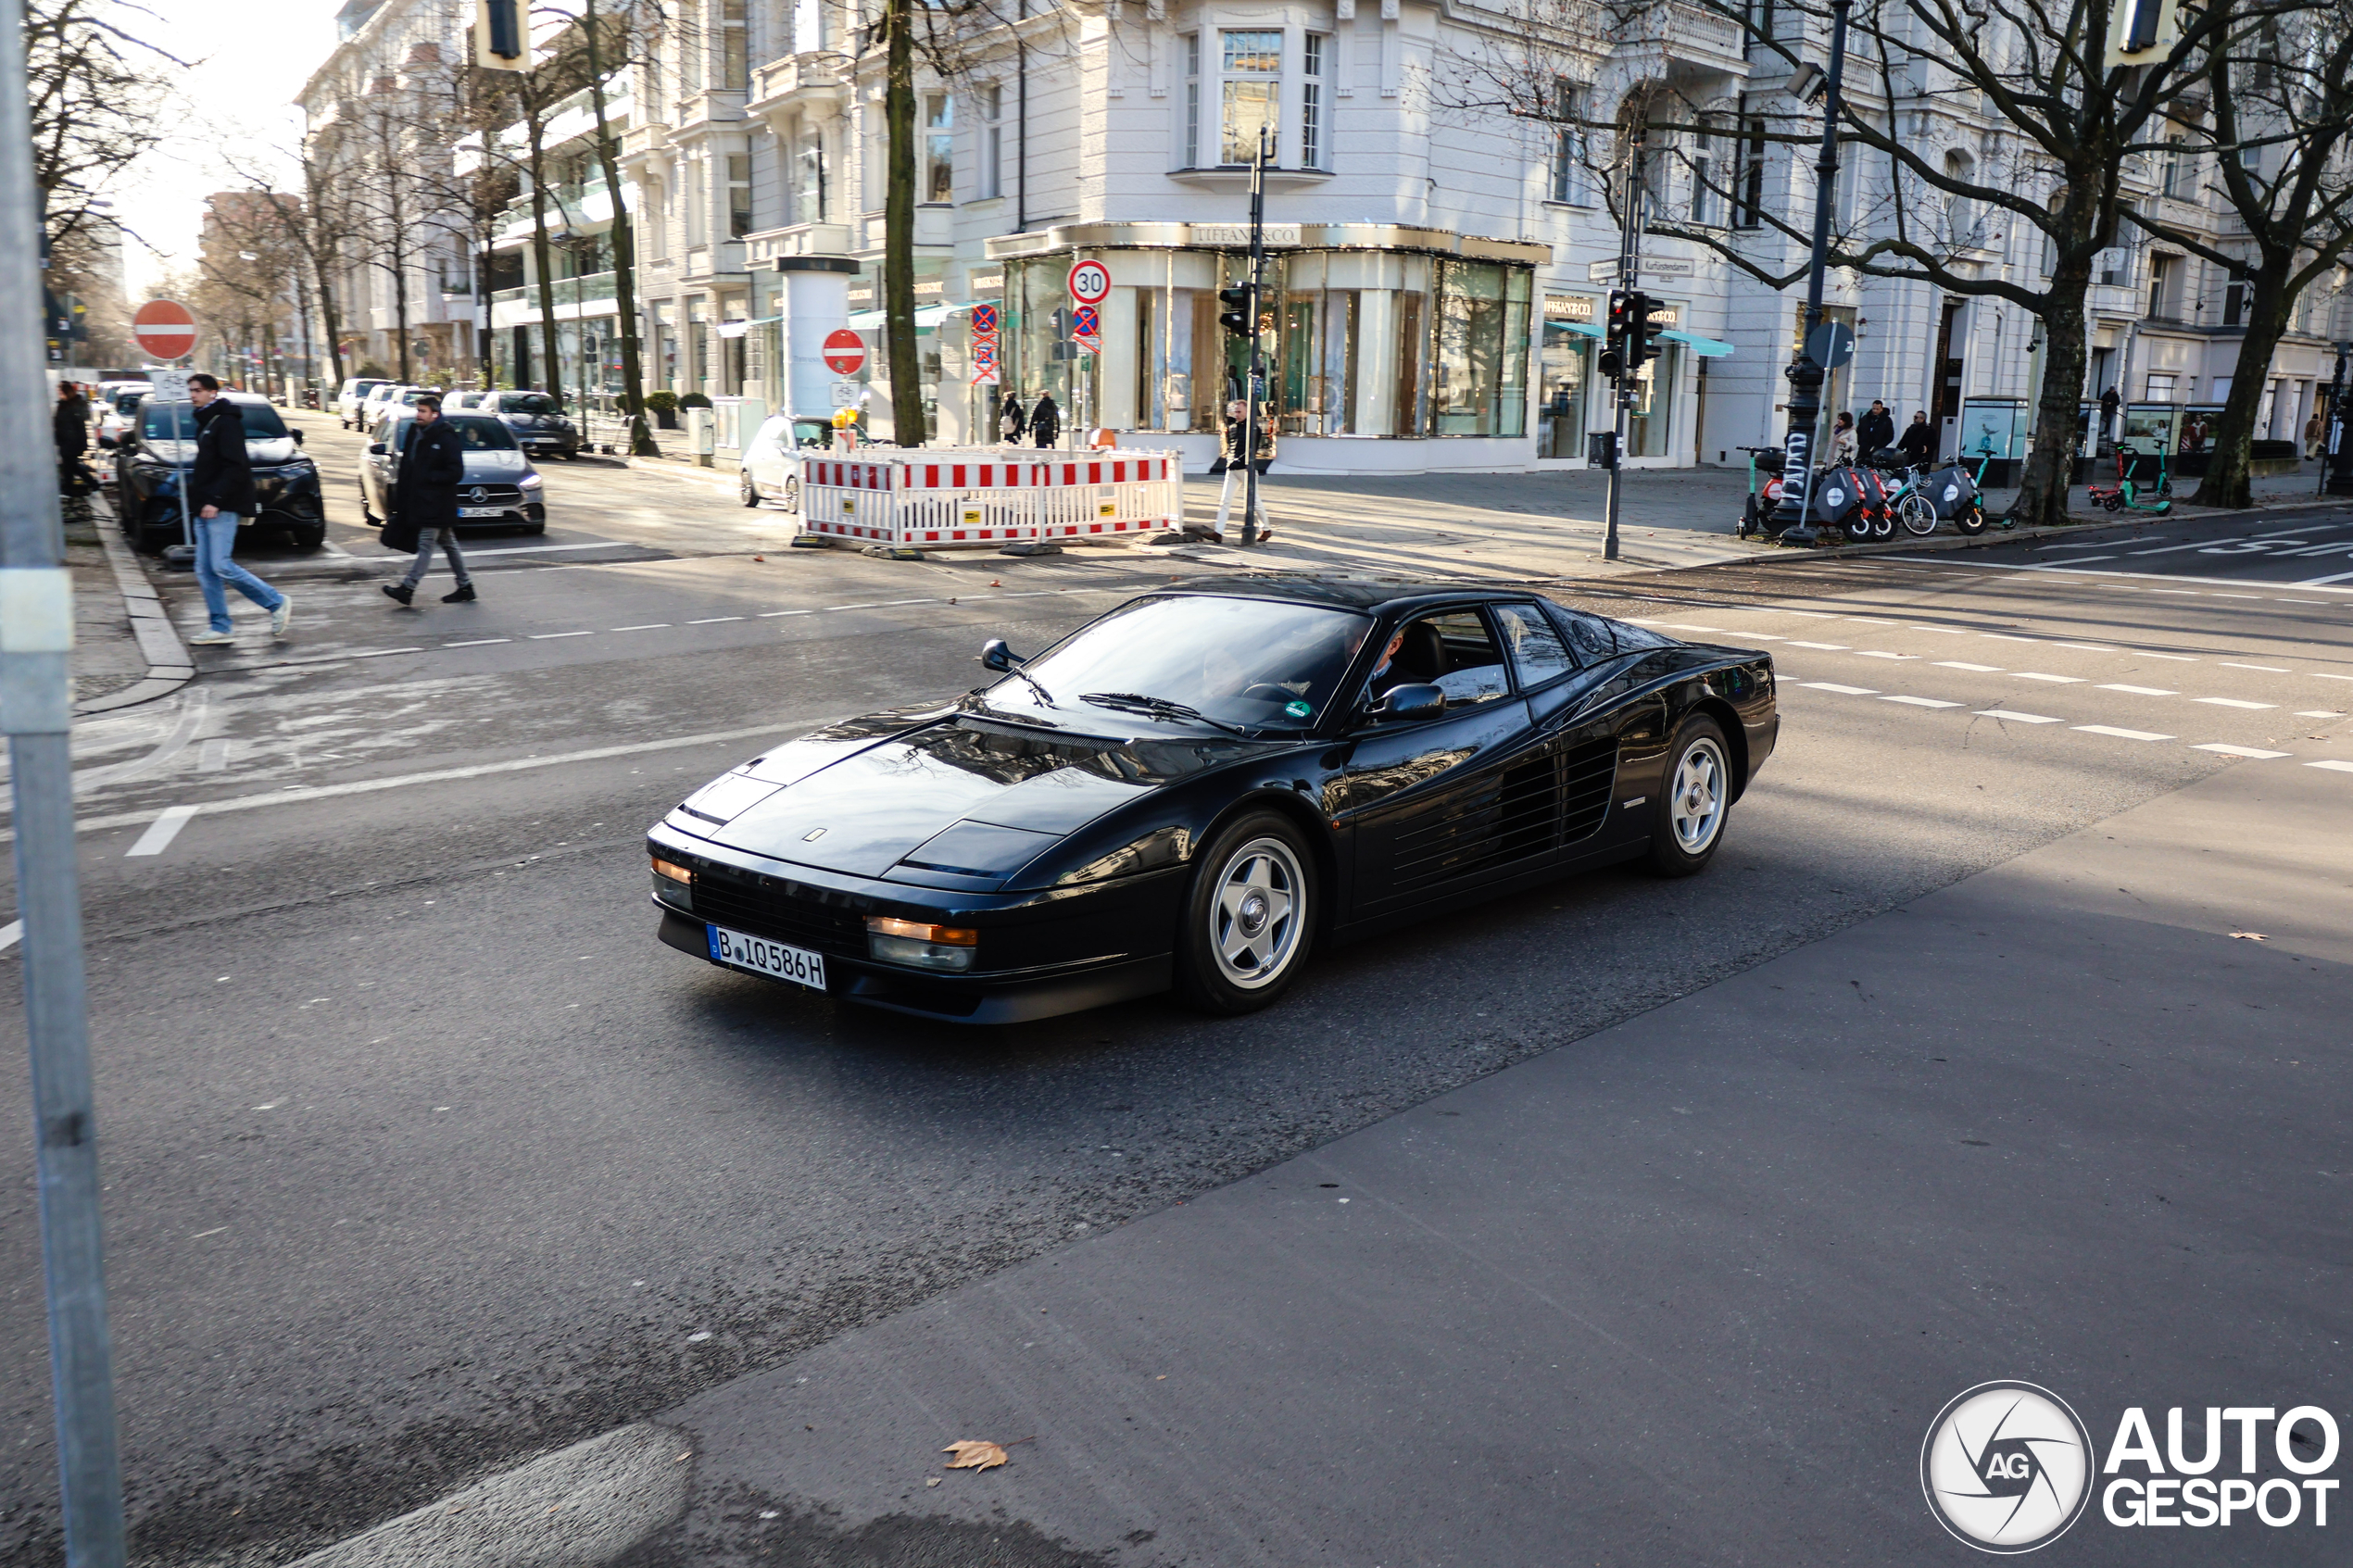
(1589, 636)
(1453, 652)
(1537, 652)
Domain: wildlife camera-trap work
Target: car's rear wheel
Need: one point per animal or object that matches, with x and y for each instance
(745, 488)
(1249, 916)
(1690, 821)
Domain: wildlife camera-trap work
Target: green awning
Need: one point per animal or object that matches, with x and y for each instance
(1706, 347)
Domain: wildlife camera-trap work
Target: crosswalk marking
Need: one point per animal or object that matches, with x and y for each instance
(2120, 734)
(2238, 750)
(2017, 716)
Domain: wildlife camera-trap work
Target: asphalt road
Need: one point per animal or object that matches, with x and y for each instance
(424, 1156)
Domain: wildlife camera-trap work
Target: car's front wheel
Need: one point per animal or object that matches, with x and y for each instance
(1249, 916)
(1690, 821)
(746, 489)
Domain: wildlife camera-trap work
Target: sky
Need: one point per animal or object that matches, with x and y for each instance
(237, 111)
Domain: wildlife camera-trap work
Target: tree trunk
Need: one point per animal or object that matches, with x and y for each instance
(899, 233)
(625, 260)
(542, 254)
(483, 336)
(2050, 463)
(2227, 482)
(330, 322)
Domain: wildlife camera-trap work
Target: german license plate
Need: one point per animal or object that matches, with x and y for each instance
(775, 960)
(482, 511)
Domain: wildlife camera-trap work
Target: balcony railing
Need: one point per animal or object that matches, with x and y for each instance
(568, 291)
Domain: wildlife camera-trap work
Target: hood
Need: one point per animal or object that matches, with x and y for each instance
(963, 804)
(496, 465)
(260, 454)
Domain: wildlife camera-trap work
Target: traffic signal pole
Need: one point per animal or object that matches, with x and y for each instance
(1806, 373)
(1254, 390)
(1628, 261)
(36, 714)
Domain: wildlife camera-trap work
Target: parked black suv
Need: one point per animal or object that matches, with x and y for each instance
(539, 427)
(151, 462)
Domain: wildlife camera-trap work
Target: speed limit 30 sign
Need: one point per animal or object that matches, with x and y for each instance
(1089, 281)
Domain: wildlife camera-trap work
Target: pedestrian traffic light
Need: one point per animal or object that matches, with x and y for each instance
(498, 36)
(1236, 317)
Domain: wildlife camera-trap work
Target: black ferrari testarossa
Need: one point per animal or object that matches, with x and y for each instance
(1197, 788)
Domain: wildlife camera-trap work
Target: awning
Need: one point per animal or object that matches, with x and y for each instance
(927, 319)
(738, 326)
(1706, 347)
(1586, 327)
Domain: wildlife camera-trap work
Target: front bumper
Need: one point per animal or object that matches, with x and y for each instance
(1047, 954)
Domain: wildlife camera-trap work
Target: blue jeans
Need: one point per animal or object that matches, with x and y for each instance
(216, 573)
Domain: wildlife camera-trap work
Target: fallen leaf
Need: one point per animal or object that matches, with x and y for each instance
(974, 1454)
(931, 1480)
(2250, 937)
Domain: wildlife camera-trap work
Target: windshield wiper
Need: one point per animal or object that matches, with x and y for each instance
(1043, 695)
(1161, 708)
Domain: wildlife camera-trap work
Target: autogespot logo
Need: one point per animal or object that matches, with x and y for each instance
(2006, 1467)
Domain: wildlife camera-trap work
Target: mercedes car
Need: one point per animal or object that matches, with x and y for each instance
(1197, 789)
(153, 455)
(500, 490)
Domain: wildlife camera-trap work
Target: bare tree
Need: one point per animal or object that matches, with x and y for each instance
(96, 94)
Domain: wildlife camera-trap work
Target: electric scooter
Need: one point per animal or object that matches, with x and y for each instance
(1761, 500)
(2130, 492)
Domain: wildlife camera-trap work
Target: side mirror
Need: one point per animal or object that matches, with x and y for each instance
(995, 655)
(298, 436)
(1405, 703)
(375, 448)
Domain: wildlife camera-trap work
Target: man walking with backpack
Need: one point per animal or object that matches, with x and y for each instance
(220, 488)
(425, 489)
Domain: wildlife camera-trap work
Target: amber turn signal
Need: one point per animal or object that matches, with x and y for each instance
(943, 936)
(676, 873)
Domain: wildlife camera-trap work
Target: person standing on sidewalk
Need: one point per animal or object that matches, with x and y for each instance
(1010, 421)
(432, 467)
(220, 488)
(69, 426)
(1045, 420)
(1876, 431)
(1919, 440)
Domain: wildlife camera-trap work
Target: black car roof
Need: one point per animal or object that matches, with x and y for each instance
(1375, 598)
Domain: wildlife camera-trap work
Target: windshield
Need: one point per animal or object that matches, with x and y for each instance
(361, 388)
(127, 400)
(481, 433)
(262, 423)
(1242, 661)
(526, 403)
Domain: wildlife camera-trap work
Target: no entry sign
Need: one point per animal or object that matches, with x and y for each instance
(1089, 283)
(845, 352)
(164, 329)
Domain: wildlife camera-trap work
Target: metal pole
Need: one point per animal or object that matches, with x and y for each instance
(1628, 261)
(1251, 390)
(2328, 425)
(1804, 375)
(36, 714)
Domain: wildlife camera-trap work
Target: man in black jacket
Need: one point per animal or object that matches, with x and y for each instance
(425, 489)
(1876, 430)
(221, 489)
(1919, 440)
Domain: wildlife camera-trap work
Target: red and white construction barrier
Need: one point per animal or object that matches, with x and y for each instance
(989, 495)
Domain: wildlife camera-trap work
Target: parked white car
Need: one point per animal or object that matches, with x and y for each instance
(771, 467)
(347, 401)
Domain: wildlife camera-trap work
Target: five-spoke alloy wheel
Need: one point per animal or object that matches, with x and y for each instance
(1250, 920)
(1690, 822)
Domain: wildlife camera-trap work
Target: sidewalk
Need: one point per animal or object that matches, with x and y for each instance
(125, 650)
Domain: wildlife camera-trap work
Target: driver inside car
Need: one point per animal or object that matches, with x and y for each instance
(1415, 656)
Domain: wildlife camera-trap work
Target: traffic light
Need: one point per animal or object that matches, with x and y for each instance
(1638, 330)
(1236, 317)
(1613, 356)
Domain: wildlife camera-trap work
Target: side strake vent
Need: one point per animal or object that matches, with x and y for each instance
(1589, 778)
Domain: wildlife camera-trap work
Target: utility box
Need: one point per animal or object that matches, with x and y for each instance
(1601, 448)
(703, 437)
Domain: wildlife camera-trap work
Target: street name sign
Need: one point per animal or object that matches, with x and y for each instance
(1648, 267)
(164, 329)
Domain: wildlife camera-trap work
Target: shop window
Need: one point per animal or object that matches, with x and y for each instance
(987, 179)
(1479, 354)
(1565, 369)
(939, 149)
(1650, 429)
(1249, 88)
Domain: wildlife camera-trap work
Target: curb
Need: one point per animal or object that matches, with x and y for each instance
(579, 1506)
(168, 664)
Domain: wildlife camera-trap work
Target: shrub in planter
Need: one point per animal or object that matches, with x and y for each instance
(663, 406)
(693, 400)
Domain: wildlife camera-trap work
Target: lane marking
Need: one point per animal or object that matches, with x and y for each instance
(2020, 718)
(2333, 766)
(1956, 664)
(546, 636)
(2140, 691)
(2087, 647)
(2006, 637)
(9, 933)
(2235, 596)
(2176, 658)
(478, 643)
(2281, 601)
(542, 549)
(440, 775)
(2230, 702)
(2270, 669)
(2055, 680)
(767, 614)
(2238, 750)
(2120, 734)
(2319, 713)
(648, 626)
(1945, 631)
(2318, 675)
(2186, 593)
(1827, 647)
(1921, 701)
(714, 619)
(1835, 686)
(1866, 620)
(2156, 576)
(1873, 653)
(2323, 583)
(162, 831)
(2080, 559)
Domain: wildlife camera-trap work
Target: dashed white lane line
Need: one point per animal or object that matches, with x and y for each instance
(2086, 647)
(2234, 595)
(2055, 680)
(2318, 713)
(9, 933)
(2176, 658)
(2120, 734)
(162, 831)
(1921, 701)
(1944, 630)
(2318, 676)
(1825, 647)
(2267, 669)
(478, 643)
(1979, 669)
(2017, 716)
(648, 626)
(549, 636)
(714, 620)
(2333, 766)
(1874, 653)
(2239, 751)
(2230, 702)
(2140, 691)
(1835, 686)
(772, 614)
(2006, 637)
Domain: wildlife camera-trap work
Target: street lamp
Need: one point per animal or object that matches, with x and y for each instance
(1788, 520)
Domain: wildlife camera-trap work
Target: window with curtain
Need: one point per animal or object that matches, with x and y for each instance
(1250, 91)
(939, 149)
